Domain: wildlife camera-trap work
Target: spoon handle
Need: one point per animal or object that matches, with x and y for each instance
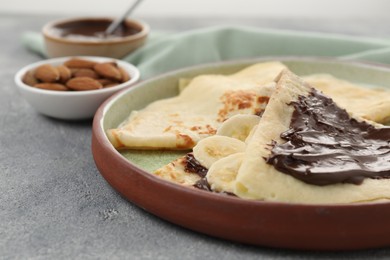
(119, 20)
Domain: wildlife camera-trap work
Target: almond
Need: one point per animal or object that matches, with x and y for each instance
(108, 70)
(80, 63)
(47, 73)
(51, 86)
(110, 85)
(105, 82)
(124, 75)
(73, 70)
(83, 83)
(29, 79)
(86, 73)
(65, 73)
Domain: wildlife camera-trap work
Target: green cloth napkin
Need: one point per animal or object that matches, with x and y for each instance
(172, 51)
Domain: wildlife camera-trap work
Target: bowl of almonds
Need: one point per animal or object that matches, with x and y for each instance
(73, 87)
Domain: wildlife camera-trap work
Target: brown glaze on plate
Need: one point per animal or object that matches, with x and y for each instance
(281, 225)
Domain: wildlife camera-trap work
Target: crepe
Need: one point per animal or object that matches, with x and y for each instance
(176, 172)
(256, 179)
(180, 122)
(369, 103)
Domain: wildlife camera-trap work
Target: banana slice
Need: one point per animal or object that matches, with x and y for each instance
(222, 174)
(249, 137)
(238, 126)
(213, 148)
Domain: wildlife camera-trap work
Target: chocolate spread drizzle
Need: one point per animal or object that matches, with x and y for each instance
(203, 184)
(192, 165)
(324, 145)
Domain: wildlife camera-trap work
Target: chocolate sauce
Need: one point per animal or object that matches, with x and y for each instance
(193, 166)
(203, 184)
(324, 145)
(93, 29)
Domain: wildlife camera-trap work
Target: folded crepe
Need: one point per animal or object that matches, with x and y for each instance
(240, 165)
(243, 169)
(369, 103)
(197, 112)
(257, 178)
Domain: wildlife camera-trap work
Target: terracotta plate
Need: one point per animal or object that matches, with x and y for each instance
(297, 226)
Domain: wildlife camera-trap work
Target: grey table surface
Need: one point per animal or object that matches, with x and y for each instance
(54, 204)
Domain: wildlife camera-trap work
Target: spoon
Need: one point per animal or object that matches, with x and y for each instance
(114, 25)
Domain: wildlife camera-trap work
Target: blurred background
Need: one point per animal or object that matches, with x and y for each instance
(353, 17)
(373, 9)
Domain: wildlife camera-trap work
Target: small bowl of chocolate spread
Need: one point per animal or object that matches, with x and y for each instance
(86, 36)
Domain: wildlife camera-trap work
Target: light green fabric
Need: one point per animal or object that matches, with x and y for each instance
(173, 51)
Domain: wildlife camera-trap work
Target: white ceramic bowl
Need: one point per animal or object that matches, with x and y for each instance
(73, 105)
